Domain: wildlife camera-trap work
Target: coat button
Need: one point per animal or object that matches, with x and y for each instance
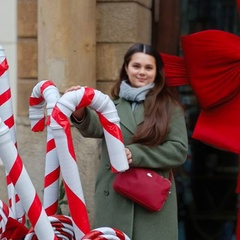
(106, 193)
(108, 166)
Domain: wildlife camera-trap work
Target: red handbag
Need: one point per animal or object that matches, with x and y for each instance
(143, 186)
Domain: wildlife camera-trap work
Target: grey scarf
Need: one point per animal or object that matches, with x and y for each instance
(133, 94)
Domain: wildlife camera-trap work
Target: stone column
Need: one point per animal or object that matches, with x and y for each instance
(67, 42)
(67, 56)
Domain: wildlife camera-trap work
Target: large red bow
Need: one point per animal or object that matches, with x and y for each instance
(212, 67)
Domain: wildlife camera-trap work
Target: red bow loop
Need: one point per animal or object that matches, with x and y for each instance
(175, 70)
(212, 59)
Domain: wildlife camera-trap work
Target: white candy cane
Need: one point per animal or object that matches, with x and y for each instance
(60, 125)
(6, 113)
(109, 119)
(62, 226)
(20, 178)
(5, 213)
(46, 94)
(105, 233)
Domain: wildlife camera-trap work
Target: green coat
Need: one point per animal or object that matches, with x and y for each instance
(116, 211)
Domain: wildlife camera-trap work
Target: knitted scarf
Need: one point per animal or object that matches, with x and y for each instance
(135, 95)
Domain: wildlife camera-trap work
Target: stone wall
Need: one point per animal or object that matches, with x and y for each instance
(27, 52)
(118, 24)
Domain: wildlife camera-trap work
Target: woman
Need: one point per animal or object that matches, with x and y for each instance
(154, 133)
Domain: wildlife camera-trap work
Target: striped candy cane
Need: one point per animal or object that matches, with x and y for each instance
(10, 228)
(108, 116)
(18, 174)
(46, 93)
(105, 233)
(62, 226)
(5, 213)
(60, 126)
(5, 96)
(6, 113)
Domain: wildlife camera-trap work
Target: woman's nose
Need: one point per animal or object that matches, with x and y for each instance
(142, 71)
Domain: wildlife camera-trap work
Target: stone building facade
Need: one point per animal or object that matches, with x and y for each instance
(72, 42)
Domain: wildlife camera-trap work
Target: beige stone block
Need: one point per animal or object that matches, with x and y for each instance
(3, 185)
(105, 87)
(25, 87)
(27, 58)
(123, 22)
(109, 60)
(146, 3)
(27, 18)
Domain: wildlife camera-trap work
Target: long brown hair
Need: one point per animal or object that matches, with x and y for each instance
(158, 104)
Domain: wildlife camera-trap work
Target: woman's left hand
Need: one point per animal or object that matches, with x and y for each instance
(129, 155)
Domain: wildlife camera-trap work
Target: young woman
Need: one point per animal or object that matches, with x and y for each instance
(155, 136)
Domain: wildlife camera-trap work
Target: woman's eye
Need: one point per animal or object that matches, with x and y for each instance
(149, 68)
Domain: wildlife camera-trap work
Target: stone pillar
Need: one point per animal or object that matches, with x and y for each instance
(67, 56)
(67, 42)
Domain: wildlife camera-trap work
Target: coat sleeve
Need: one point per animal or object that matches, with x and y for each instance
(170, 154)
(90, 126)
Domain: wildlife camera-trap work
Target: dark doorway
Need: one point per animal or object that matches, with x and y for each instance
(206, 183)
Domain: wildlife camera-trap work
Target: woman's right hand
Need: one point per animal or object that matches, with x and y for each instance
(78, 114)
(73, 88)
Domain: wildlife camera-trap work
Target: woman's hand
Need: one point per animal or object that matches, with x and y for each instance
(129, 155)
(73, 88)
(78, 114)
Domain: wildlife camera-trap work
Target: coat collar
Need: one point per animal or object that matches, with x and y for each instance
(128, 118)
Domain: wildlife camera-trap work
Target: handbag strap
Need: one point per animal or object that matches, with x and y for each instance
(170, 175)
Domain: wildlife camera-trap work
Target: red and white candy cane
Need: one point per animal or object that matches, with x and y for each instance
(6, 113)
(6, 109)
(23, 185)
(104, 233)
(5, 213)
(10, 228)
(46, 93)
(108, 117)
(62, 226)
(60, 126)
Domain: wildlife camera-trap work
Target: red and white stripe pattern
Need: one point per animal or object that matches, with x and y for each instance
(6, 114)
(60, 126)
(5, 213)
(108, 116)
(62, 226)
(6, 109)
(105, 233)
(70, 173)
(20, 178)
(45, 94)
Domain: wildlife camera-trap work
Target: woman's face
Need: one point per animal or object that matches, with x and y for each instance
(141, 69)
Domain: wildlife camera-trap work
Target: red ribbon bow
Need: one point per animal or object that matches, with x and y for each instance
(211, 65)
